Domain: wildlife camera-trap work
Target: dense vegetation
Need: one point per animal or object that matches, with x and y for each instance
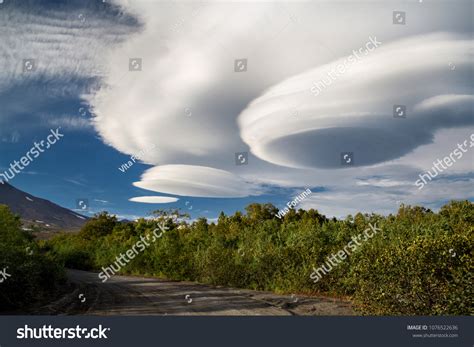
(30, 275)
(419, 263)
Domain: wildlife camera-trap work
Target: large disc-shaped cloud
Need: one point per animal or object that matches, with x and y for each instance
(348, 105)
(196, 181)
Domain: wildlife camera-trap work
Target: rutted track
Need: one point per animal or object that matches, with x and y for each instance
(127, 295)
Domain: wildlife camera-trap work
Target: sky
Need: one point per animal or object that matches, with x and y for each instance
(219, 104)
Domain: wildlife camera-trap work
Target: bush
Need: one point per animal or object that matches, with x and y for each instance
(419, 262)
(33, 274)
(422, 267)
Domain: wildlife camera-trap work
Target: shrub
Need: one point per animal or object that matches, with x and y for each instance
(419, 263)
(33, 274)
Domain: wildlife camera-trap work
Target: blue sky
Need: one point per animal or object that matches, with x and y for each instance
(79, 167)
(197, 111)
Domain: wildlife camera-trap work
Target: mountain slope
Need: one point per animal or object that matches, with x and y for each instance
(41, 212)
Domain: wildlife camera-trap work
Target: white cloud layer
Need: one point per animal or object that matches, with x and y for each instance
(154, 199)
(354, 112)
(187, 99)
(196, 181)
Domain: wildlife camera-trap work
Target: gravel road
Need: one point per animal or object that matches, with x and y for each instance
(130, 295)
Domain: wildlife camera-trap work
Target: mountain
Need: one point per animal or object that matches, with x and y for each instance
(40, 213)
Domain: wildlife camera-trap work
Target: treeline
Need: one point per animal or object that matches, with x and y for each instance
(419, 263)
(28, 276)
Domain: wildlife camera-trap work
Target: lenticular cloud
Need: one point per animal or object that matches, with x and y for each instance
(154, 199)
(199, 181)
(431, 75)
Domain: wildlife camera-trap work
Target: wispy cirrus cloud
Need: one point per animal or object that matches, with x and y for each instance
(65, 46)
(67, 42)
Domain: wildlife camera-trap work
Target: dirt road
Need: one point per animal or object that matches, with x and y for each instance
(127, 295)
